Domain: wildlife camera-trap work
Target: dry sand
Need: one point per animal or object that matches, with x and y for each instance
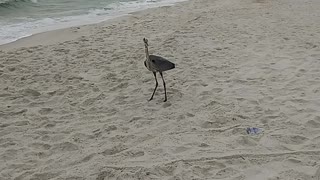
(75, 107)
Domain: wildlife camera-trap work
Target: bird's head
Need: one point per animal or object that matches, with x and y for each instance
(145, 42)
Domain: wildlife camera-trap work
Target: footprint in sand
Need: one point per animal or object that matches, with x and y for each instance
(225, 173)
(209, 93)
(11, 68)
(315, 123)
(21, 123)
(111, 128)
(45, 111)
(88, 158)
(167, 170)
(115, 150)
(45, 175)
(80, 137)
(65, 146)
(30, 92)
(85, 159)
(247, 141)
(220, 122)
(134, 153)
(134, 119)
(180, 149)
(289, 139)
(7, 142)
(215, 164)
(40, 146)
(8, 154)
(167, 104)
(110, 173)
(315, 143)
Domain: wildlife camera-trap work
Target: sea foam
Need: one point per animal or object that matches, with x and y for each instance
(19, 27)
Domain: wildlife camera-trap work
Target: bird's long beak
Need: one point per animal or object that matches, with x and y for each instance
(145, 42)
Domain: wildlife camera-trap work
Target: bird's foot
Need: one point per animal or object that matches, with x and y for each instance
(165, 100)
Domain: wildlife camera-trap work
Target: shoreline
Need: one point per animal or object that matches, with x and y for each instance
(55, 36)
(24, 41)
(77, 107)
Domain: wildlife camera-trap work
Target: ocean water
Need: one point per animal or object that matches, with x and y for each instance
(22, 18)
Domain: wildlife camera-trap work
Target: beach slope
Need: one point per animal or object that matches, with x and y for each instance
(76, 107)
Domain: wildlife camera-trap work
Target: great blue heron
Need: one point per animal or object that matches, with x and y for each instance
(157, 64)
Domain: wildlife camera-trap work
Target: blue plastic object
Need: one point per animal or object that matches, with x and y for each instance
(253, 130)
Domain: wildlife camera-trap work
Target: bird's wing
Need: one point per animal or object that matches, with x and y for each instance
(160, 63)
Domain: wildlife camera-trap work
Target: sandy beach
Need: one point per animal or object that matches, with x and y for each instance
(74, 102)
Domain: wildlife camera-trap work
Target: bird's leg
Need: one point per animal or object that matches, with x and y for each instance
(155, 77)
(164, 85)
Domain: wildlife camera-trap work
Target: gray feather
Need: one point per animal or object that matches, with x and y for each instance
(160, 64)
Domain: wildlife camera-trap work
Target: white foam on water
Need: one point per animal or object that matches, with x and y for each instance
(10, 32)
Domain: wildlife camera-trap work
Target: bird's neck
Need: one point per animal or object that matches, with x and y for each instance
(147, 52)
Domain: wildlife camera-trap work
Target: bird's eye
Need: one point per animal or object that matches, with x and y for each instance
(153, 60)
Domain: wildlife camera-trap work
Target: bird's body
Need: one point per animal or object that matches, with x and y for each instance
(157, 64)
